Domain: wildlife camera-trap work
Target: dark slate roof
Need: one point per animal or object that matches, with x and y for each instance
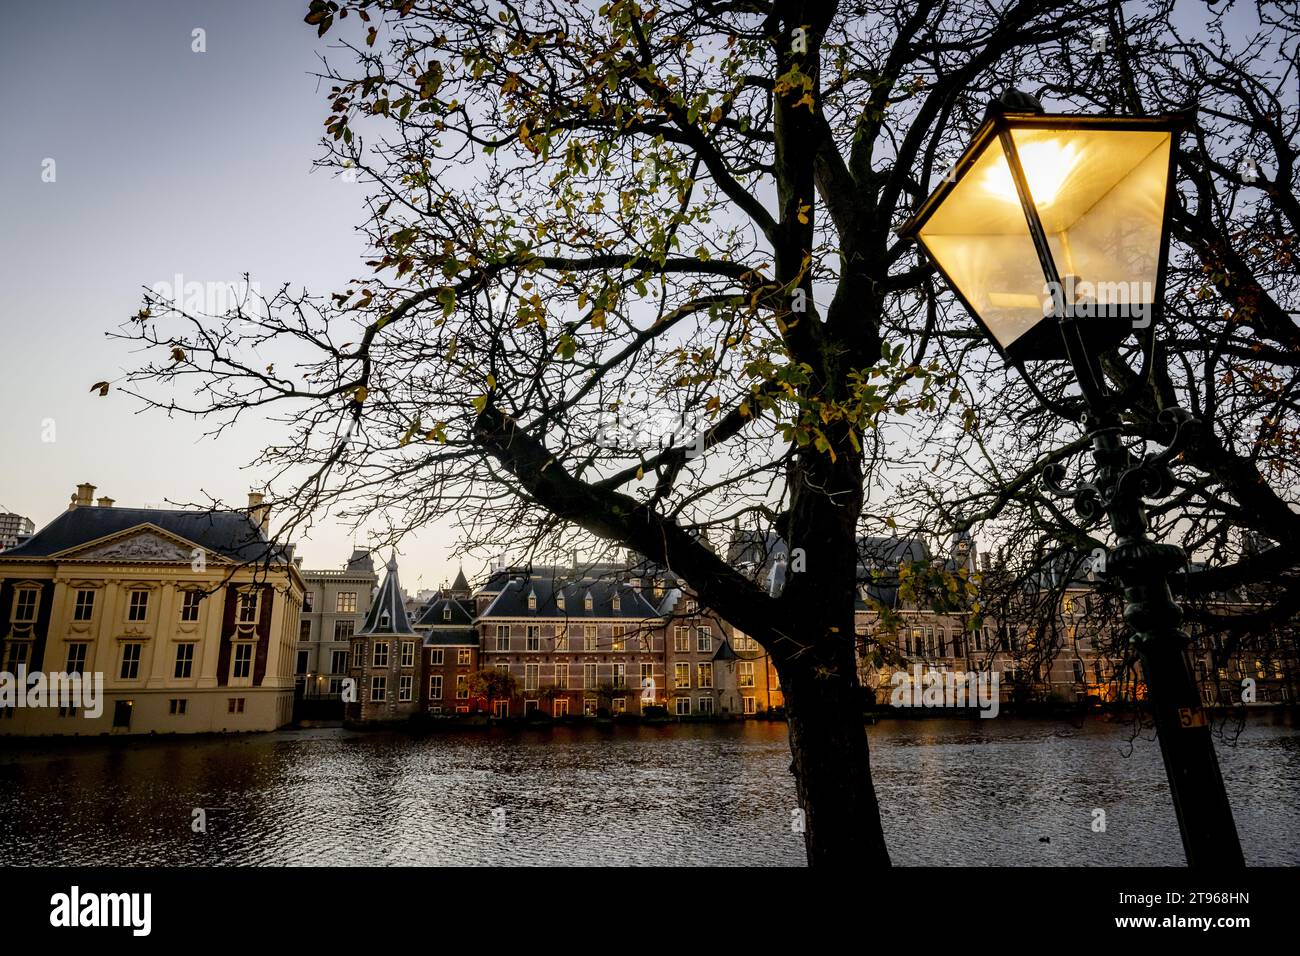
(513, 599)
(460, 584)
(890, 551)
(431, 615)
(360, 561)
(724, 652)
(388, 613)
(232, 534)
(460, 636)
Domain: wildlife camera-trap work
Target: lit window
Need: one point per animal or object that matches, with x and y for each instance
(745, 673)
(681, 639)
(346, 602)
(617, 639)
(682, 675)
(704, 675)
(463, 656)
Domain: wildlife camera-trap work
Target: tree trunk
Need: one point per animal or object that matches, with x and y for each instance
(832, 766)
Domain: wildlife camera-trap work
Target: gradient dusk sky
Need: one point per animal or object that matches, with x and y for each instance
(167, 162)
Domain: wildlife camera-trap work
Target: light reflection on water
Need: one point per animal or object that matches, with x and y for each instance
(953, 793)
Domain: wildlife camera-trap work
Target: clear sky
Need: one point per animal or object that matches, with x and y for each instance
(166, 161)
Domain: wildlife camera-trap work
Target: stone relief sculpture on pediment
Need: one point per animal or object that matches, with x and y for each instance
(145, 546)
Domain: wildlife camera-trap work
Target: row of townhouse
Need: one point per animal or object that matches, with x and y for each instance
(170, 621)
(1077, 661)
(595, 641)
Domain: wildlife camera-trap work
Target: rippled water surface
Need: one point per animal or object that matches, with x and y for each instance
(953, 792)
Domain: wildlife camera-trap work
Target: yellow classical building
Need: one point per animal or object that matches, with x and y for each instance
(173, 621)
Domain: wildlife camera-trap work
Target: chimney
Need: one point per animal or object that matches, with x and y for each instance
(105, 502)
(259, 512)
(85, 494)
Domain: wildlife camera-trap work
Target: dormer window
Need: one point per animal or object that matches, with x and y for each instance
(616, 603)
(384, 619)
(446, 613)
(586, 601)
(559, 600)
(532, 601)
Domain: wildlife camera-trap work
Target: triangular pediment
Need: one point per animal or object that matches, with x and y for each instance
(143, 542)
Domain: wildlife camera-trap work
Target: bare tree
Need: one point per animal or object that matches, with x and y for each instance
(634, 273)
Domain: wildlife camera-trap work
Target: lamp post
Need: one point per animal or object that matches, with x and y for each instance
(1052, 230)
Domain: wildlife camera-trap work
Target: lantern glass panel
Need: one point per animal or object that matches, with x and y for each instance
(979, 237)
(1100, 195)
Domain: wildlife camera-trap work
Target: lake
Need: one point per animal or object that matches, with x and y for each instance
(969, 792)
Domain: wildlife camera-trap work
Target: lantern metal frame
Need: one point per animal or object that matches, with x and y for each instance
(1080, 346)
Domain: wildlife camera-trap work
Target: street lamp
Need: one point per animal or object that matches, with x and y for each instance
(1053, 231)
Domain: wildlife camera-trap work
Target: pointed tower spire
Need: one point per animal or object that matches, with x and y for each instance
(388, 613)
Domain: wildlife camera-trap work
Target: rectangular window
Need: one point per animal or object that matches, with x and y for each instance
(435, 687)
(336, 685)
(533, 638)
(248, 607)
(462, 687)
(304, 631)
(681, 674)
(562, 676)
(618, 641)
(405, 685)
(745, 674)
(408, 653)
(76, 663)
(749, 705)
(243, 661)
(704, 675)
(647, 677)
(18, 651)
(560, 707)
(435, 657)
(619, 705)
(85, 608)
(25, 605)
(184, 662)
(378, 689)
(561, 637)
(303, 658)
(122, 710)
(588, 676)
(683, 705)
(176, 706)
(379, 657)
(343, 630)
(681, 639)
(234, 705)
(503, 637)
(338, 662)
(704, 639)
(190, 601)
(307, 600)
(620, 675)
(130, 661)
(358, 655)
(463, 656)
(139, 607)
(942, 637)
(530, 676)
(589, 637)
(346, 602)
(706, 705)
